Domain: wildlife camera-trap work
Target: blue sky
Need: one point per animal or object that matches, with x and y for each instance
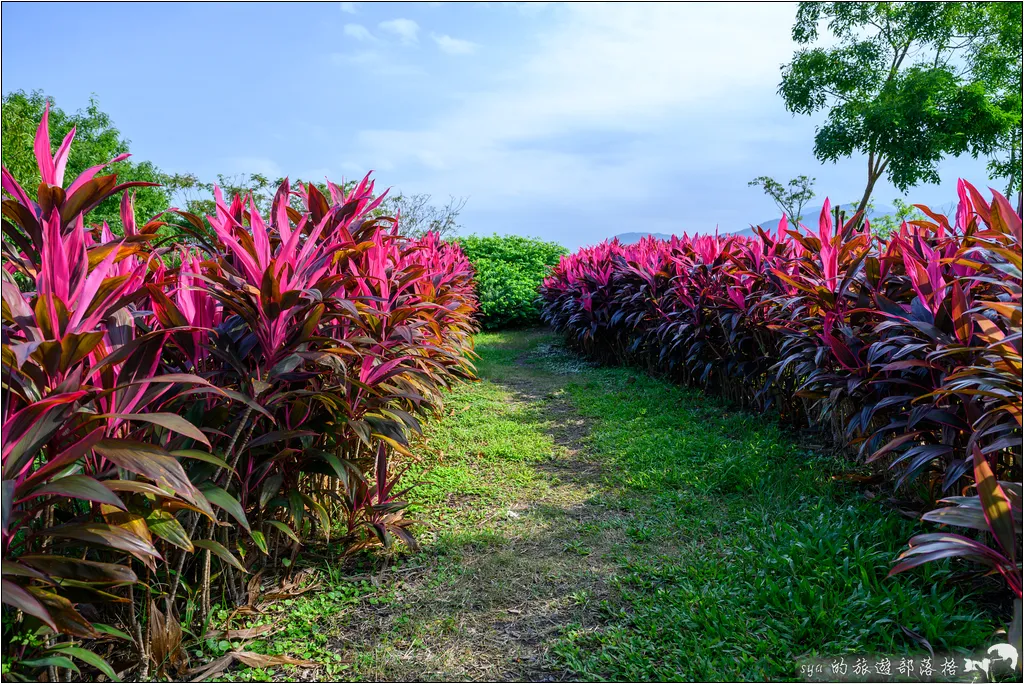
(570, 122)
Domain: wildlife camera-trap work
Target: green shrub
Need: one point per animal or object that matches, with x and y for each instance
(509, 269)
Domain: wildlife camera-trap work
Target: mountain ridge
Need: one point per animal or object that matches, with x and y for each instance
(769, 225)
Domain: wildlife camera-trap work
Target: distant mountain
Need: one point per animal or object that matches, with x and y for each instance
(810, 220)
(630, 238)
(811, 215)
(748, 232)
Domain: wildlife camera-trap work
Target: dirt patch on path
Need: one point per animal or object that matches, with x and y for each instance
(487, 602)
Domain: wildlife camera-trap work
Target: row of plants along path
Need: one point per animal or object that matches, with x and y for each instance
(905, 349)
(178, 417)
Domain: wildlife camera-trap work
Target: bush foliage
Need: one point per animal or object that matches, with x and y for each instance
(509, 270)
(164, 427)
(906, 348)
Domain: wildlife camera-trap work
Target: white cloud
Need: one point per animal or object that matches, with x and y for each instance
(454, 46)
(668, 77)
(349, 8)
(654, 115)
(405, 29)
(358, 31)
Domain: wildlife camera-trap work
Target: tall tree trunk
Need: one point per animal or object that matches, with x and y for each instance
(872, 177)
(1015, 171)
(1011, 182)
(876, 165)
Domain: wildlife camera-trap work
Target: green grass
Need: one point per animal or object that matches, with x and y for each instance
(596, 523)
(746, 554)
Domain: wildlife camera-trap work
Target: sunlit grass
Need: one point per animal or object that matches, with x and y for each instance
(708, 545)
(746, 553)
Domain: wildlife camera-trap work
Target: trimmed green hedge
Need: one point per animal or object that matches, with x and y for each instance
(509, 269)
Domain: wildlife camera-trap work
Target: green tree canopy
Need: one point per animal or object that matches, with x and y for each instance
(884, 226)
(997, 62)
(96, 141)
(906, 84)
(790, 199)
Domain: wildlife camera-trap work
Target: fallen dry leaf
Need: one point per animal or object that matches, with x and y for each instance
(244, 633)
(165, 638)
(277, 595)
(257, 660)
(254, 588)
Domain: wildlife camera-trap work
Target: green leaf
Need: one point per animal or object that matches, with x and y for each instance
(284, 528)
(321, 514)
(296, 507)
(221, 498)
(78, 487)
(261, 541)
(164, 525)
(270, 488)
(202, 456)
(89, 657)
(51, 661)
(170, 421)
(218, 549)
(112, 631)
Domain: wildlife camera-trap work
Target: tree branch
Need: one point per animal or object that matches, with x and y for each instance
(899, 60)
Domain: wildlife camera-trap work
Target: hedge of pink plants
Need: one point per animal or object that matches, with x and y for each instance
(180, 415)
(906, 350)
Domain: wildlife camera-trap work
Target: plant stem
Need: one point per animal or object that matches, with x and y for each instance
(205, 581)
(195, 523)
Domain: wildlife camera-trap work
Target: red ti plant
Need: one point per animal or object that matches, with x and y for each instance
(995, 510)
(89, 484)
(337, 332)
(906, 348)
(264, 380)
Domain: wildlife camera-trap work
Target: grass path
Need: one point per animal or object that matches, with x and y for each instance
(595, 523)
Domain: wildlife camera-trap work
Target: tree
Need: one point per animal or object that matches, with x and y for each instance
(790, 202)
(193, 195)
(998, 62)
(884, 226)
(197, 195)
(901, 85)
(97, 141)
(417, 216)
